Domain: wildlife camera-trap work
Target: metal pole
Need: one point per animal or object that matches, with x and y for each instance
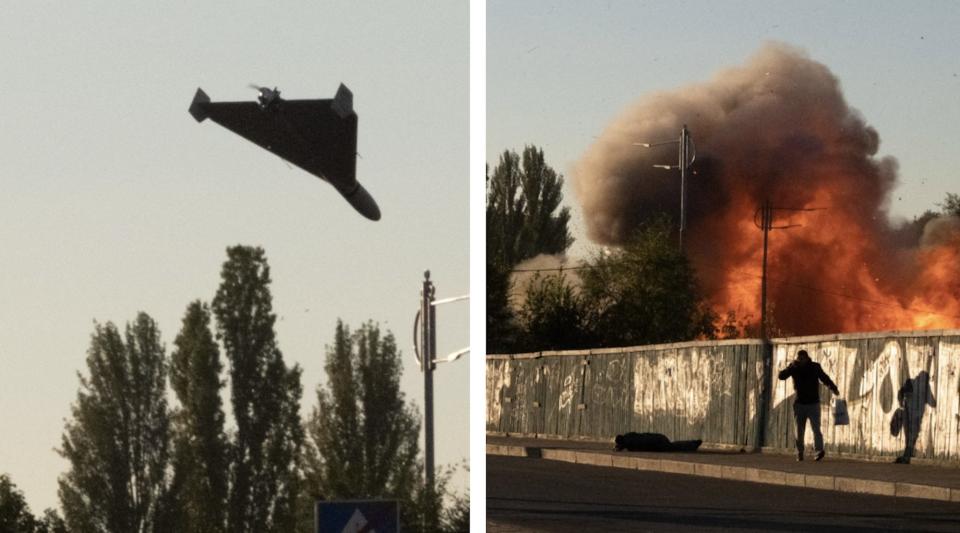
(684, 154)
(429, 348)
(767, 218)
(766, 224)
(684, 161)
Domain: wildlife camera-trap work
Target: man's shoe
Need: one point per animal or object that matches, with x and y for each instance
(799, 456)
(820, 455)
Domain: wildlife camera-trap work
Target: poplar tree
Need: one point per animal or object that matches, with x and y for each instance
(523, 198)
(200, 456)
(15, 514)
(117, 442)
(265, 397)
(362, 435)
(524, 219)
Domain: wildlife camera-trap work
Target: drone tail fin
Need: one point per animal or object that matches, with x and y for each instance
(198, 107)
(343, 101)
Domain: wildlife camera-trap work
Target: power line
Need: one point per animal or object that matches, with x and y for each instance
(779, 281)
(782, 281)
(557, 269)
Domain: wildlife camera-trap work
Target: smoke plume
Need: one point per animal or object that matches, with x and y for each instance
(543, 265)
(777, 129)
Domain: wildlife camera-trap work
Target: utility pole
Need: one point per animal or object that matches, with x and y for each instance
(425, 349)
(763, 219)
(767, 219)
(429, 345)
(687, 155)
(684, 152)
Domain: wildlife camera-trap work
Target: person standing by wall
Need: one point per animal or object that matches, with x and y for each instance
(807, 376)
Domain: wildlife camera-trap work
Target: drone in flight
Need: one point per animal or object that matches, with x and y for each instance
(319, 136)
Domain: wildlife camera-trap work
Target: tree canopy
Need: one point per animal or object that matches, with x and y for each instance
(554, 315)
(138, 466)
(645, 292)
(15, 514)
(951, 204)
(200, 460)
(265, 395)
(522, 218)
(523, 196)
(363, 436)
(117, 443)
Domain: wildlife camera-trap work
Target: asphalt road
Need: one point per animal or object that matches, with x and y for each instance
(525, 495)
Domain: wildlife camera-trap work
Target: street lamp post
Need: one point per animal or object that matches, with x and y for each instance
(426, 351)
(429, 343)
(687, 155)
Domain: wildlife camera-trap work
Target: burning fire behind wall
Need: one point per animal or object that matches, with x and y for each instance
(777, 128)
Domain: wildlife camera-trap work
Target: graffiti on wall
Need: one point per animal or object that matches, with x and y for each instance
(894, 387)
(682, 383)
(902, 390)
(497, 380)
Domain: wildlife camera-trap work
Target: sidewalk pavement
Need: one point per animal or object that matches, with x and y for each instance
(844, 475)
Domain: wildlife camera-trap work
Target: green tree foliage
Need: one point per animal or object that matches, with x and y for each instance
(265, 396)
(117, 443)
(362, 435)
(522, 200)
(52, 523)
(951, 205)
(909, 233)
(502, 328)
(457, 516)
(523, 196)
(200, 444)
(554, 316)
(15, 515)
(645, 292)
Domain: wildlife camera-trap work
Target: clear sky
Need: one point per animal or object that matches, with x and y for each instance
(114, 200)
(558, 72)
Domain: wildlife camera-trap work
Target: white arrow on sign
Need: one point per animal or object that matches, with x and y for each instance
(357, 524)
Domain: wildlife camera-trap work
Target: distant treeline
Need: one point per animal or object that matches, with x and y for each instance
(138, 464)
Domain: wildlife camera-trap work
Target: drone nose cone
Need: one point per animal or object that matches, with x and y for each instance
(361, 200)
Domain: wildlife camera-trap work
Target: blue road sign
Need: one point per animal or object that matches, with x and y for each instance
(357, 516)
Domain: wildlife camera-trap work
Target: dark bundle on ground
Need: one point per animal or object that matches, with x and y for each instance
(654, 442)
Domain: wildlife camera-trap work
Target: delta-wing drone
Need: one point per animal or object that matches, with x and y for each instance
(319, 136)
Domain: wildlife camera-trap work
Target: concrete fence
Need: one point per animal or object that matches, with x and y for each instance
(902, 391)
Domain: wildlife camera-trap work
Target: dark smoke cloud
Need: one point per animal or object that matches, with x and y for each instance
(776, 128)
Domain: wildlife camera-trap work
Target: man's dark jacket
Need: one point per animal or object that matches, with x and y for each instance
(805, 377)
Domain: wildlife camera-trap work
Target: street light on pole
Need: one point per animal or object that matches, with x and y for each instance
(687, 155)
(425, 329)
